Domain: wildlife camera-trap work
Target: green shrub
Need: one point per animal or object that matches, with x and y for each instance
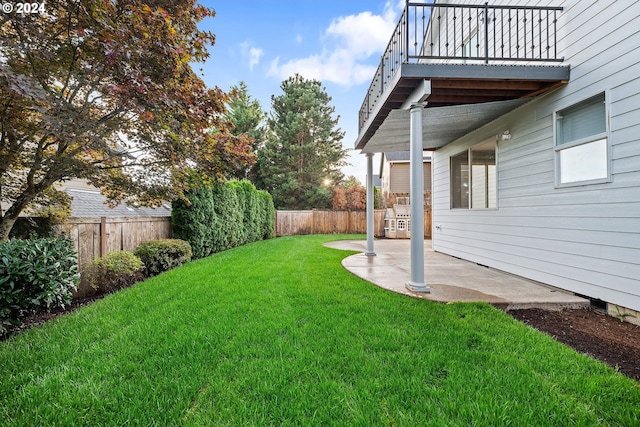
(229, 212)
(162, 255)
(114, 271)
(197, 222)
(223, 216)
(268, 215)
(35, 274)
(34, 228)
(250, 205)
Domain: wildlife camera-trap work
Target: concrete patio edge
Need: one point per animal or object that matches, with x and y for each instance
(451, 279)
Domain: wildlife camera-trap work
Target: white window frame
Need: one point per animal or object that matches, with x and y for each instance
(471, 46)
(582, 142)
(470, 205)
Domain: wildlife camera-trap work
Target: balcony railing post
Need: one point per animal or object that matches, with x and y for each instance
(486, 33)
(409, 43)
(406, 29)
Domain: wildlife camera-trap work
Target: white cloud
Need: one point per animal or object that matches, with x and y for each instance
(348, 42)
(298, 38)
(254, 56)
(252, 53)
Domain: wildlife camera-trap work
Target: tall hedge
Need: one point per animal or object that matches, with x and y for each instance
(267, 215)
(196, 223)
(223, 216)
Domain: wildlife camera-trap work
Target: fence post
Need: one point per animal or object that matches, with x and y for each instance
(103, 236)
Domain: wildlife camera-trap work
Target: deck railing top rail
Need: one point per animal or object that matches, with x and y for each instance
(455, 33)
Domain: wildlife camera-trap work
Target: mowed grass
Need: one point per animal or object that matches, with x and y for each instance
(278, 333)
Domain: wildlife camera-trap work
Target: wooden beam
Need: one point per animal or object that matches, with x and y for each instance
(546, 89)
(485, 84)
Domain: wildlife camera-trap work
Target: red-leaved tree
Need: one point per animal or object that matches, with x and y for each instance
(349, 195)
(103, 90)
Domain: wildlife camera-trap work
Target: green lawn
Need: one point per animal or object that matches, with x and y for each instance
(278, 333)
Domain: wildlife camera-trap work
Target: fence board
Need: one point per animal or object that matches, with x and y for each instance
(318, 221)
(289, 223)
(121, 233)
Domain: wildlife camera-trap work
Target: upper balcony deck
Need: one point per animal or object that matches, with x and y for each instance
(470, 53)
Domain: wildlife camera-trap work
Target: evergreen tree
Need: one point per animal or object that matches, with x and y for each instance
(248, 118)
(303, 152)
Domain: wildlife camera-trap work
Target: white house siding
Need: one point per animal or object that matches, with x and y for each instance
(585, 239)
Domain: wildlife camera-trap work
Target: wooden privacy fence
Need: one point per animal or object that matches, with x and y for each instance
(317, 221)
(94, 237)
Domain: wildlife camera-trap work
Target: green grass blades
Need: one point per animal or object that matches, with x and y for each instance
(278, 333)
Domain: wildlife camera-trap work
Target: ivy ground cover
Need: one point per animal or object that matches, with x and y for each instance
(278, 333)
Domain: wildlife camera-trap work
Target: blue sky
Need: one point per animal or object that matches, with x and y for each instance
(339, 42)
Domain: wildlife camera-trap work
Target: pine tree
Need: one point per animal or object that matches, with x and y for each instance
(303, 153)
(248, 118)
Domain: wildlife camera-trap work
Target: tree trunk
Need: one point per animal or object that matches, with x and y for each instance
(6, 224)
(11, 215)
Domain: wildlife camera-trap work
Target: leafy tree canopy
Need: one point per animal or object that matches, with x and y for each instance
(92, 86)
(349, 194)
(248, 118)
(303, 151)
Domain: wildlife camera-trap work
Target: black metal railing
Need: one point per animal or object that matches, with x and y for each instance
(450, 33)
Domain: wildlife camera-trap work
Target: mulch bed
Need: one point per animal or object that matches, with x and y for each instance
(592, 332)
(39, 318)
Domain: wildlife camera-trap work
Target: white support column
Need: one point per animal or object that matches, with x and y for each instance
(370, 207)
(417, 283)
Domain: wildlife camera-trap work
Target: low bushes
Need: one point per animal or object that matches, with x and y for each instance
(223, 216)
(114, 271)
(35, 274)
(41, 274)
(122, 269)
(162, 255)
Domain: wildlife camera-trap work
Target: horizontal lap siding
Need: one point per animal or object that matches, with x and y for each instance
(585, 239)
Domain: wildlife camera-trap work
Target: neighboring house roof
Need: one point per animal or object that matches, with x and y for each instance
(93, 204)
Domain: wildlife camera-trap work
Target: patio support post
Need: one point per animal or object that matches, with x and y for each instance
(417, 283)
(370, 207)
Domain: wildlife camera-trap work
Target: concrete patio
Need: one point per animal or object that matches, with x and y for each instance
(451, 279)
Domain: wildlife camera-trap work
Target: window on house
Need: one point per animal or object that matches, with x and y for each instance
(460, 181)
(581, 142)
(483, 176)
(473, 178)
(401, 225)
(470, 47)
(392, 225)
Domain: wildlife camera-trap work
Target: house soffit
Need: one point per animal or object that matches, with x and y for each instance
(459, 85)
(440, 125)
